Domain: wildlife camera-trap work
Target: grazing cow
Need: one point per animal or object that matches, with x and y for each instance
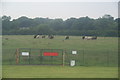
(89, 37)
(50, 36)
(36, 36)
(94, 37)
(66, 37)
(83, 37)
(43, 36)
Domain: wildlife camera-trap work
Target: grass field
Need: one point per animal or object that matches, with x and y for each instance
(75, 42)
(92, 48)
(58, 72)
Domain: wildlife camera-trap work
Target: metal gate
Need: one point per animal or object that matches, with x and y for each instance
(40, 56)
(83, 57)
(76, 55)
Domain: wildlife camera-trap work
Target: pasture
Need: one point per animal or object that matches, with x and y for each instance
(92, 68)
(59, 42)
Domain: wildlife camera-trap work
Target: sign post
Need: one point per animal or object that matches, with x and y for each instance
(63, 58)
(72, 63)
(17, 56)
(74, 52)
(25, 53)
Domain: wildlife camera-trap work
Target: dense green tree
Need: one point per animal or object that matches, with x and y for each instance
(57, 24)
(103, 26)
(6, 25)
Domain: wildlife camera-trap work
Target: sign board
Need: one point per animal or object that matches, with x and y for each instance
(25, 53)
(72, 63)
(50, 54)
(74, 52)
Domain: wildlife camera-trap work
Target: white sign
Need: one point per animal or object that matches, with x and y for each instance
(25, 53)
(74, 52)
(72, 63)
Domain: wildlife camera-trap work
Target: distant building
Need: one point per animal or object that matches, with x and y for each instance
(23, 28)
(107, 16)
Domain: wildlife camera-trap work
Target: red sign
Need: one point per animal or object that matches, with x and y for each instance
(50, 54)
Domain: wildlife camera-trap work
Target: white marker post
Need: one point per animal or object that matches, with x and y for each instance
(72, 63)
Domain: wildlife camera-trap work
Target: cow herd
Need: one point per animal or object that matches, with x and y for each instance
(44, 36)
(66, 37)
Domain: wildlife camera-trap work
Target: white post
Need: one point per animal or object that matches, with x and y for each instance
(72, 63)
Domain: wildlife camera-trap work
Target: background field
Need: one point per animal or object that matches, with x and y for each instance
(100, 57)
(75, 42)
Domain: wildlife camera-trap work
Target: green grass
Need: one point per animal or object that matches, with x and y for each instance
(96, 52)
(75, 42)
(13, 71)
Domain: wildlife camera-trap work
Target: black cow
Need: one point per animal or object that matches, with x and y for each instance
(66, 37)
(83, 37)
(50, 36)
(36, 36)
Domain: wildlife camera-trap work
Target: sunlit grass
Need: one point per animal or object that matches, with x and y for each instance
(37, 71)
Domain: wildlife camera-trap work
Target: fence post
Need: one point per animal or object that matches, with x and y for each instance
(83, 58)
(108, 58)
(29, 55)
(17, 56)
(63, 58)
(41, 56)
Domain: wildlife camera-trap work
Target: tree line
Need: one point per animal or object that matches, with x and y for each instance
(102, 26)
